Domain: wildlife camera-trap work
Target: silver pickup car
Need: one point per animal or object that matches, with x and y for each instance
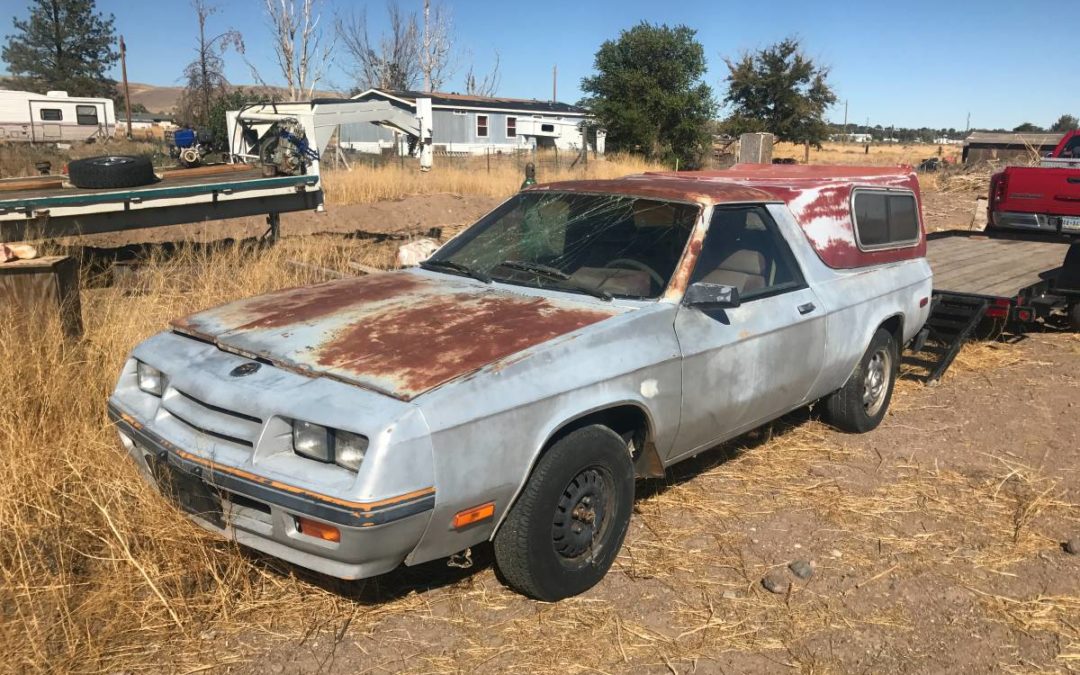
(512, 387)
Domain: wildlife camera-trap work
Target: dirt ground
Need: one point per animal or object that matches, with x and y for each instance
(935, 542)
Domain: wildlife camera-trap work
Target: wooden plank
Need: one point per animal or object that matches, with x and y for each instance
(40, 289)
(992, 267)
(38, 183)
(211, 170)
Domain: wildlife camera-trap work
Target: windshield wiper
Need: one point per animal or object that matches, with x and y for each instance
(438, 265)
(555, 273)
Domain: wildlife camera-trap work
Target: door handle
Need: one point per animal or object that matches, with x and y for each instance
(807, 308)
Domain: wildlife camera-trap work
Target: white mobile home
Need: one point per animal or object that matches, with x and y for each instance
(477, 125)
(54, 117)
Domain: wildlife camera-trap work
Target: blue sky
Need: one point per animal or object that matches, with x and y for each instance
(911, 64)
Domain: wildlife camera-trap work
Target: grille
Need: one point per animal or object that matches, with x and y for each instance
(213, 421)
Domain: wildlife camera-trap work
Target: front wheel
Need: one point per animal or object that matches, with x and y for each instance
(860, 405)
(563, 533)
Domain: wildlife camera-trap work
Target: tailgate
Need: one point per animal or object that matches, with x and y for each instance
(1043, 190)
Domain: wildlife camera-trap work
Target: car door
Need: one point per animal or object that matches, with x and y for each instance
(745, 365)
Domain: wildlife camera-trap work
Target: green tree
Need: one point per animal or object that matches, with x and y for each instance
(649, 95)
(781, 91)
(223, 102)
(1028, 128)
(1065, 123)
(63, 44)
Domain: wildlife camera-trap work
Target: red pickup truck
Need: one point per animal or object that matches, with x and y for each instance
(1044, 198)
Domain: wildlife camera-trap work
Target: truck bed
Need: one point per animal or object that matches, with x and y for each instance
(994, 268)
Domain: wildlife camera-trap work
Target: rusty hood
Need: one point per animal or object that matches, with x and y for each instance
(400, 333)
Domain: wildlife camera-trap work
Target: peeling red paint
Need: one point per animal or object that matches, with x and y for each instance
(818, 196)
(440, 338)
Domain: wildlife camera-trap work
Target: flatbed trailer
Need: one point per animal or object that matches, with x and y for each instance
(1008, 281)
(47, 207)
(30, 213)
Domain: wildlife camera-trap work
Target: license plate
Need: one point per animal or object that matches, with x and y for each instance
(190, 492)
(1070, 223)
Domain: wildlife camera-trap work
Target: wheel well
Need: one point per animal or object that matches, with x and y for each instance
(626, 420)
(895, 326)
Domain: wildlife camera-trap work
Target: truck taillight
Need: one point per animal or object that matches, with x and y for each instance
(999, 183)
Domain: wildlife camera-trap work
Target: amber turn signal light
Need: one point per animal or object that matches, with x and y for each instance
(314, 528)
(474, 515)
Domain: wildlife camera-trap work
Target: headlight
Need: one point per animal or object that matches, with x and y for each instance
(343, 448)
(349, 449)
(151, 380)
(312, 440)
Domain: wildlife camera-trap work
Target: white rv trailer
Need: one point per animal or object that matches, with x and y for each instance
(54, 117)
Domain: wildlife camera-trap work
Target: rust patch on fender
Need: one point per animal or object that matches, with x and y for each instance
(421, 345)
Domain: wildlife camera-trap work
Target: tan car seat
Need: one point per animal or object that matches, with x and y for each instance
(744, 269)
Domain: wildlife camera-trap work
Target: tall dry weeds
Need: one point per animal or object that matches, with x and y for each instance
(97, 572)
(365, 184)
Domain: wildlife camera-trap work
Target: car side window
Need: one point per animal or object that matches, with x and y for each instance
(744, 249)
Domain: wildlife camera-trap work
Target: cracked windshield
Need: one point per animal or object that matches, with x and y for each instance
(602, 245)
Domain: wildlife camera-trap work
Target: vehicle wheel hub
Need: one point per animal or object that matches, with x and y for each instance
(876, 382)
(579, 515)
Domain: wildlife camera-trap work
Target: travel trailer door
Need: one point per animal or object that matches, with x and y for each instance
(47, 120)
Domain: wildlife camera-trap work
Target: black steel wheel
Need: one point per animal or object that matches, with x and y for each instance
(111, 171)
(562, 535)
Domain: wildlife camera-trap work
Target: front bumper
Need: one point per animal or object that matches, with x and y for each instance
(375, 537)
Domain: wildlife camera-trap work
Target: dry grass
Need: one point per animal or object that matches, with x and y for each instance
(878, 155)
(99, 574)
(366, 184)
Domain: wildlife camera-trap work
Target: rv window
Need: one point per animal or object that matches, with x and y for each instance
(86, 114)
(511, 127)
(481, 126)
(885, 219)
(547, 127)
(51, 114)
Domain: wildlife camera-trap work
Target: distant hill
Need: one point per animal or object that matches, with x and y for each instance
(163, 99)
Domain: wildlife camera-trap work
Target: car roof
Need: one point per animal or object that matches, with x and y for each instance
(739, 184)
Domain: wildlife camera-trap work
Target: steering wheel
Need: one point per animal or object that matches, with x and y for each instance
(640, 266)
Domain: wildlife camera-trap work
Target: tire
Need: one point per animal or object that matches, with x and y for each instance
(563, 533)
(111, 171)
(1074, 317)
(861, 404)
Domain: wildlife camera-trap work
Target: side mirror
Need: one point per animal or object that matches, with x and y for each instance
(707, 296)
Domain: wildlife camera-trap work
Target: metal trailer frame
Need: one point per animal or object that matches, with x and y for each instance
(47, 213)
(956, 314)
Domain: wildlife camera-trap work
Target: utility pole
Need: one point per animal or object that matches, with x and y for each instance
(127, 93)
(845, 121)
(555, 83)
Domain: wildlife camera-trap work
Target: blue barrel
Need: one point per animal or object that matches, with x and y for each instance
(184, 138)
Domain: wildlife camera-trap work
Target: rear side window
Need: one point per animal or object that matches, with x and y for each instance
(885, 219)
(51, 114)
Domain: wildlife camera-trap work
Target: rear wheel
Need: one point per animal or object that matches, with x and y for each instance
(562, 535)
(1074, 317)
(860, 405)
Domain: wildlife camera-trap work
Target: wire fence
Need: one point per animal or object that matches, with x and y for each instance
(491, 161)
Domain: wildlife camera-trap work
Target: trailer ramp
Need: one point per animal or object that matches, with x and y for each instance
(952, 319)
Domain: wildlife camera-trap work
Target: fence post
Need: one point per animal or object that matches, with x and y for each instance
(488, 153)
